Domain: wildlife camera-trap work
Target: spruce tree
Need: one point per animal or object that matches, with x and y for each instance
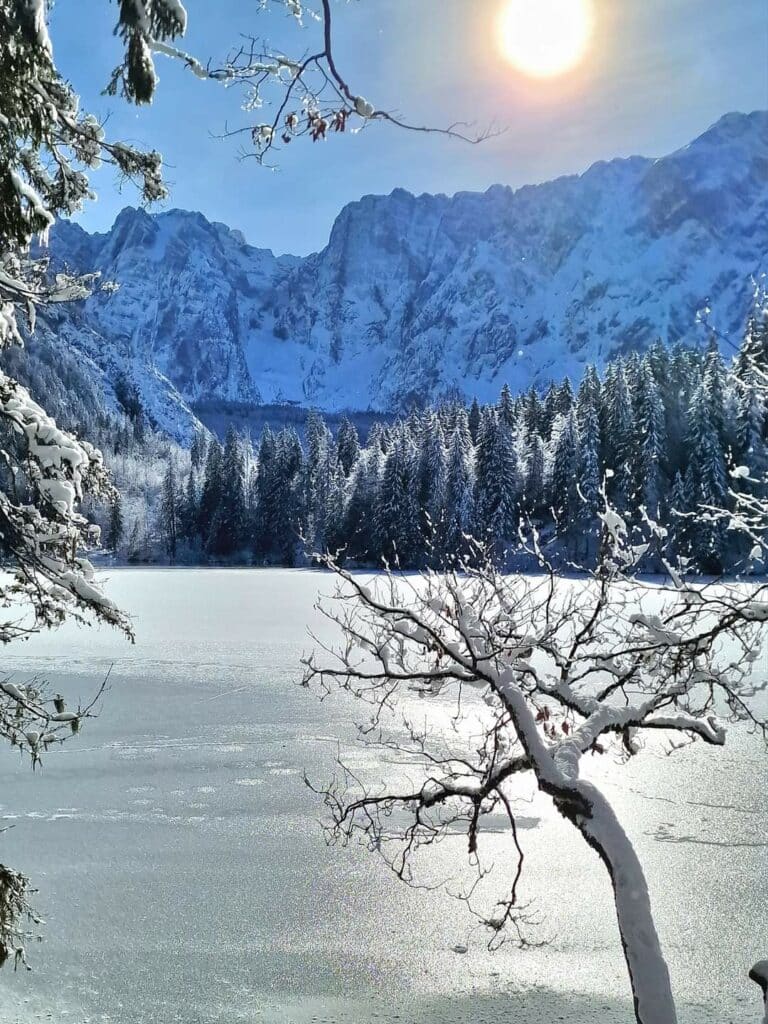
(749, 431)
(715, 384)
(709, 480)
(564, 497)
(498, 484)
(549, 412)
(287, 512)
(398, 530)
(190, 511)
(618, 433)
(264, 527)
(506, 407)
(211, 493)
(564, 400)
(589, 396)
(227, 532)
(361, 513)
(474, 420)
(347, 445)
(650, 443)
(116, 525)
(533, 413)
(432, 476)
(588, 491)
(535, 472)
(680, 510)
(334, 539)
(198, 450)
(316, 482)
(170, 518)
(751, 364)
(459, 486)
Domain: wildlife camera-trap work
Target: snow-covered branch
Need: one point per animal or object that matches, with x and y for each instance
(308, 95)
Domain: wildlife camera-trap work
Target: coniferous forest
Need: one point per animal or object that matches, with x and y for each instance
(662, 431)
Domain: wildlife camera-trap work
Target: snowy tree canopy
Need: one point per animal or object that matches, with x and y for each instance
(48, 145)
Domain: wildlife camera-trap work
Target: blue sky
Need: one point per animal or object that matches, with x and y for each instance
(659, 72)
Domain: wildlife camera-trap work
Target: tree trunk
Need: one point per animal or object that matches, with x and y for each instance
(648, 972)
(759, 974)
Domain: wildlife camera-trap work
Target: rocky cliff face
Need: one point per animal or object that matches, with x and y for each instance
(418, 296)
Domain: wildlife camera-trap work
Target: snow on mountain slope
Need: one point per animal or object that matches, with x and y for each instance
(418, 296)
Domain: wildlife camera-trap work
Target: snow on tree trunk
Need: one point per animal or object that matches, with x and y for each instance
(648, 973)
(582, 804)
(759, 974)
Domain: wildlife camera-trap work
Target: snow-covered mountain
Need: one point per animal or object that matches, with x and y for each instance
(416, 296)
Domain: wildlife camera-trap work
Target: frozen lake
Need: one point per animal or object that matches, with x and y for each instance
(184, 877)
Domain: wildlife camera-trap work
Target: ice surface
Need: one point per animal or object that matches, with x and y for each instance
(184, 878)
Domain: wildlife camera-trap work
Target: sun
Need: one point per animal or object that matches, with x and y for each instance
(544, 38)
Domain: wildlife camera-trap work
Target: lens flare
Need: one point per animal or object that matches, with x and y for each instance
(544, 38)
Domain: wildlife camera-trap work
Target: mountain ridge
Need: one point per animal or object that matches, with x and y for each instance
(415, 297)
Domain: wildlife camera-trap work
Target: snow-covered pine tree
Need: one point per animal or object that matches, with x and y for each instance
(708, 475)
(361, 515)
(379, 438)
(461, 426)
(286, 511)
(170, 513)
(264, 525)
(334, 539)
(228, 530)
(549, 412)
(534, 499)
(650, 443)
(116, 526)
(506, 408)
(632, 377)
(751, 364)
(715, 383)
(398, 527)
(589, 480)
(533, 413)
(316, 481)
(498, 484)
(658, 359)
(563, 493)
(564, 399)
(680, 507)
(588, 396)
(198, 450)
(459, 488)
(749, 431)
(618, 434)
(347, 445)
(211, 492)
(474, 420)
(139, 546)
(683, 376)
(190, 510)
(432, 477)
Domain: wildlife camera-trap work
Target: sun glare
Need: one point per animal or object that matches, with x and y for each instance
(543, 38)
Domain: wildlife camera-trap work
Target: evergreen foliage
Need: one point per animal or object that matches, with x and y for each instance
(415, 490)
(418, 489)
